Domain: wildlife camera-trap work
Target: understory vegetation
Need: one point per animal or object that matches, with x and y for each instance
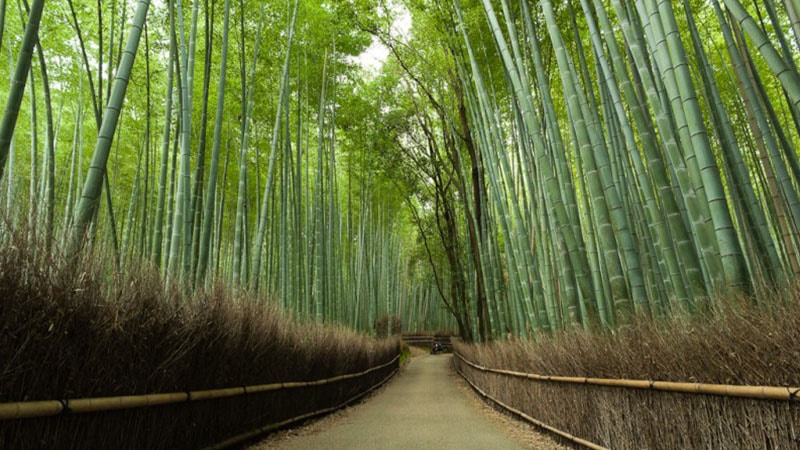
(740, 343)
(73, 328)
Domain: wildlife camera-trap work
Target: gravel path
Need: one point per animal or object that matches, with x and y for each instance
(425, 407)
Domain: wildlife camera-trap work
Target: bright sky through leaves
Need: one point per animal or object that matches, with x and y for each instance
(375, 55)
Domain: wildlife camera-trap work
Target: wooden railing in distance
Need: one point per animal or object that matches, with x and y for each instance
(427, 340)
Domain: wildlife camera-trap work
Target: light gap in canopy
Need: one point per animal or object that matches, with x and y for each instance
(372, 59)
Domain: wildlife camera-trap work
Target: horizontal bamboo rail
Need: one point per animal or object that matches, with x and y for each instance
(563, 434)
(427, 339)
(250, 435)
(45, 408)
(418, 339)
(725, 390)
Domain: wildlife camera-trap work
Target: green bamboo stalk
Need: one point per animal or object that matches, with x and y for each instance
(170, 200)
(33, 192)
(752, 210)
(606, 206)
(221, 211)
(655, 218)
(181, 227)
(693, 205)
(197, 185)
(562, 177)
(793, 10)
(688, 271)
(73, 164)
(10, 180)
(89, 201)
(262, 222)
(145, 235)
(2, 21)
(158, 228)
(132, 205)
(735, 271)
(20, 77)
(208, 217)
(554, 190)
(49, 178)
(319, 216)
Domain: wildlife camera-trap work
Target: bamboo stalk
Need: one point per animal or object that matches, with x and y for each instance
(90, 199)
(20, 77)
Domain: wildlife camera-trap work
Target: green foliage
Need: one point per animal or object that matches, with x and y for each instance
(513, 168)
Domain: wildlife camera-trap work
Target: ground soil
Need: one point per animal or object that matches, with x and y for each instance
(426, 406)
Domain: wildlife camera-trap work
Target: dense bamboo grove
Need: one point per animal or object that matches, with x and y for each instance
(511, 168)
(203, 137)
(657, 156)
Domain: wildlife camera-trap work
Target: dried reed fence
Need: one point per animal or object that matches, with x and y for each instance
(635, 414)
(214, 418)
(46, 408)
(245, 437)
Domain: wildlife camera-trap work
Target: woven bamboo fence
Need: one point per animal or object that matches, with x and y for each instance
(617, 413)
(135, 413)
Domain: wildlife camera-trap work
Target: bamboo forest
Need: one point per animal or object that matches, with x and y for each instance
(509, 167)
(518, 172)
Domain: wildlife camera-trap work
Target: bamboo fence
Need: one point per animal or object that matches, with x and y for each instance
(773, 393)
(563, 434)
(274, 426)
(44, 408)
(726, 390)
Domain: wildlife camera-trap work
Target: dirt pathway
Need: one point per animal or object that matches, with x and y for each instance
(425, 407)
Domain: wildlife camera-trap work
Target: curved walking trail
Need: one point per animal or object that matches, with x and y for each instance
(424, 407)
